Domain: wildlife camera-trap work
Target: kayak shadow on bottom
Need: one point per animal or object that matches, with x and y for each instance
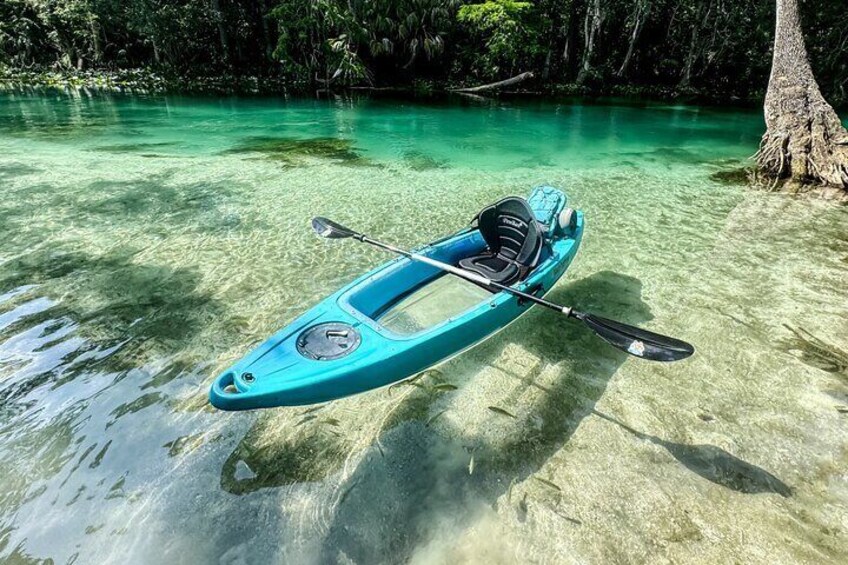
(314, 455)
(417, 479)
(421, 482)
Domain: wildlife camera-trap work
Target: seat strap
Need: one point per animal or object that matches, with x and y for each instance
(522, 269)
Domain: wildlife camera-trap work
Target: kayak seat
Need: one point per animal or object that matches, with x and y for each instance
(492, 267)
(513, 239)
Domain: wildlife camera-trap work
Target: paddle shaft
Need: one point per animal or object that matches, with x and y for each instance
(474, 277)
(633, 340)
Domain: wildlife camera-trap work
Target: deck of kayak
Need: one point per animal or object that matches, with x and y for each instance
(391, 323)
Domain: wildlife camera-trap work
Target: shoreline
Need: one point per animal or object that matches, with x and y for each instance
(149, 81)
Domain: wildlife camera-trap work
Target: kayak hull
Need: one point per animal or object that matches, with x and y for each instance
(277, 374)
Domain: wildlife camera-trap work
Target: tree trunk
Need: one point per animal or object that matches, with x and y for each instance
(222, 30)
(695, 44)
(95, 39)
(546, 69)
(804, 139)
(643, 7)
(591, 29)
(266, 31)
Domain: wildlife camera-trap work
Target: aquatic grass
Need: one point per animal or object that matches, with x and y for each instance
(816, 352)
(295, 152)
(738, 176)
(133, 147)
(41, 266)
(55, 128)
(665, 155)
(144, 401)
(156, 303)
(304, 456)
(419, 161)
(155, 306)
(9, 171)
(203, 205)
(666, 247)
(177, 368)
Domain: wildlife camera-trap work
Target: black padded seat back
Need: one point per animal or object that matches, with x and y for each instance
(512, 232)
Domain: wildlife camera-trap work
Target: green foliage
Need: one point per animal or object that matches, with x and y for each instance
(507, 30)
(19, 33)
(335, 40)
(691, 46)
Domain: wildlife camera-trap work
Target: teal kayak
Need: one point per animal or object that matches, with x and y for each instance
(369, 333)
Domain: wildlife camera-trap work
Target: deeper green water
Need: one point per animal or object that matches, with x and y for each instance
(149, 242)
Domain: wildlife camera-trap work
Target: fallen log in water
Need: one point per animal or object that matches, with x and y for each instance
(495, 85)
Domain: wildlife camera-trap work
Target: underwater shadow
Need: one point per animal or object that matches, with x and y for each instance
(421, 481)
(308, 454)
(313, 447)
(130, 312)
(714, 464)
(11, 171)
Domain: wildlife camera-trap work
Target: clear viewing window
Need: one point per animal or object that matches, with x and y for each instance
(445, 297)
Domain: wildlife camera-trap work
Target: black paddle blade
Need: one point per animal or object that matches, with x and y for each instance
(330, 229)
(638, 342)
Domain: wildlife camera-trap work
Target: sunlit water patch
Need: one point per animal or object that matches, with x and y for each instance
(149, 242)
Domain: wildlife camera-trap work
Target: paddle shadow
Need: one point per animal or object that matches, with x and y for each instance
(715, 464)
(422, 482)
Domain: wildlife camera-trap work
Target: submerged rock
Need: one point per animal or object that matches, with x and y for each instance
(243, 471)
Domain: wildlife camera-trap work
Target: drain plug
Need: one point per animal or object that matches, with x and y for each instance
(248, 377)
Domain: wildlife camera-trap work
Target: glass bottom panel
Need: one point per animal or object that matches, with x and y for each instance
(435, 302)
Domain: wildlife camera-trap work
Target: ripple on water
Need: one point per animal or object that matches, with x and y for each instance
(128, 281)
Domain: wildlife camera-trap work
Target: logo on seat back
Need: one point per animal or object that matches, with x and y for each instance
(512, 222)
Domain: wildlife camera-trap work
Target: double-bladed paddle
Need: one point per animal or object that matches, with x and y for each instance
(635, 341)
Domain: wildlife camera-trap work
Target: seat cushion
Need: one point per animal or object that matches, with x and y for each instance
(492, 267)
(511, 231)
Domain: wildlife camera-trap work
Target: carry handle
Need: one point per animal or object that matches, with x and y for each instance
(224, 394)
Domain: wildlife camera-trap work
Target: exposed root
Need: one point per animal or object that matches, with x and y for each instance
(773, 157)
(804, 139)
(812, 152)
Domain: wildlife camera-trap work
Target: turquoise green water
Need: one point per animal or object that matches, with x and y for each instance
(149, 242)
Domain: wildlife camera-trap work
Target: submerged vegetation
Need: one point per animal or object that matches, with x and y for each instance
(716, 47)
(126, 283)
(293, 152)
(817, 352)
(720, 50)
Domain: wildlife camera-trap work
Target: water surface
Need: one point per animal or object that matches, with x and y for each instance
(148, 242)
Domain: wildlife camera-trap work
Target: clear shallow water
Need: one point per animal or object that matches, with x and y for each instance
(149, 242)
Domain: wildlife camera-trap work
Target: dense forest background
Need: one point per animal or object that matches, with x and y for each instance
(720, 47)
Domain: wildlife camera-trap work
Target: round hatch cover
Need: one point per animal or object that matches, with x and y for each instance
(326, 342)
